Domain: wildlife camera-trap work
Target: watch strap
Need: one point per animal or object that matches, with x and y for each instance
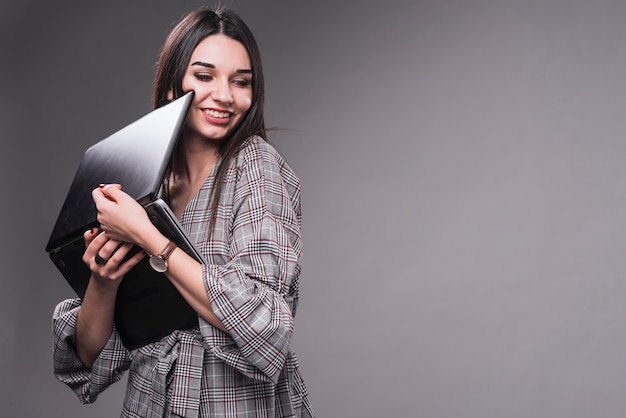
(167, 251)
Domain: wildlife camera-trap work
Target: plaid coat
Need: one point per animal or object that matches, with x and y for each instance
(251, 278)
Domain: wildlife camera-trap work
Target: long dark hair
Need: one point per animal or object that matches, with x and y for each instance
(173, 61)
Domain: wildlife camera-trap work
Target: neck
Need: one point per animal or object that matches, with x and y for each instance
(192, 165)
(197, 158)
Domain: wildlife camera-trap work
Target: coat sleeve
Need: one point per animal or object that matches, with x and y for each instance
(69, 369)
(252, 294)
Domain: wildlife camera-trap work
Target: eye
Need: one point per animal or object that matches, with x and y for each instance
(242, 82)
(203, 76)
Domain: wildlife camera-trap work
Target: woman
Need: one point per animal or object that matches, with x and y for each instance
(240, 203)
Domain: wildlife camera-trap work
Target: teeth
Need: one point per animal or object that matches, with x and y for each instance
(216, 114)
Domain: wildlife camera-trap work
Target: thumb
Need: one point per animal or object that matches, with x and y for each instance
(107, 185)
(111, 191)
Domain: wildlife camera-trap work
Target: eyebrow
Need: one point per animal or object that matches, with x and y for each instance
(209, 65)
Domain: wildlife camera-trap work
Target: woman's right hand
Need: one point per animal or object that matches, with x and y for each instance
(112, 267)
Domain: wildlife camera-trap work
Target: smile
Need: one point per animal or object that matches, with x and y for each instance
(217, 114)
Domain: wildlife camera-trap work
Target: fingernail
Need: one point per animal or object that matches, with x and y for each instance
(102, 186)
(94, 231)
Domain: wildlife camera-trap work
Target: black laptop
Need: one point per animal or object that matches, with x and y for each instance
(148, 306)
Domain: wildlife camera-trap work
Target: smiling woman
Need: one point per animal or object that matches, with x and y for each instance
(239, 201)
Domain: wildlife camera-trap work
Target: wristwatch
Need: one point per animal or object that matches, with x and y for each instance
(159, 262)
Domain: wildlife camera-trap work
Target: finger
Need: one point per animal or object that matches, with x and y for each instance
(119, 264)
(109, 248)
(102, 245)
(98, 257)
(96, 241)
(89, 236)
(120, 252)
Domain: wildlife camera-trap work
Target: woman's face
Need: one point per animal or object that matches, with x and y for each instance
(220, 73)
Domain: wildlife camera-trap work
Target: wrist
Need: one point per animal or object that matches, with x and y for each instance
(159, 261)
(153, 241)
(102, 289)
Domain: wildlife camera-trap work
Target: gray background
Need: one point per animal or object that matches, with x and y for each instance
(464, 208)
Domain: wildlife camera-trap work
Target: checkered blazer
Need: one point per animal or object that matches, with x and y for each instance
(251, 278)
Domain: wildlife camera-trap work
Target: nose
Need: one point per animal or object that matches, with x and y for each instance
(223, 92)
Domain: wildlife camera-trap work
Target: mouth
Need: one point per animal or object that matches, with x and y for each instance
(217, 114)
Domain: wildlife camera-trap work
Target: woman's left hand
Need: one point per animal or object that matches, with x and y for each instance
(120, 216)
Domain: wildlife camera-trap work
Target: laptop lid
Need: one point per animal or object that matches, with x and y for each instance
(136, 157)
(148, 306)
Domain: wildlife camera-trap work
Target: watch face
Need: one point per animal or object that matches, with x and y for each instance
(158, 264)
